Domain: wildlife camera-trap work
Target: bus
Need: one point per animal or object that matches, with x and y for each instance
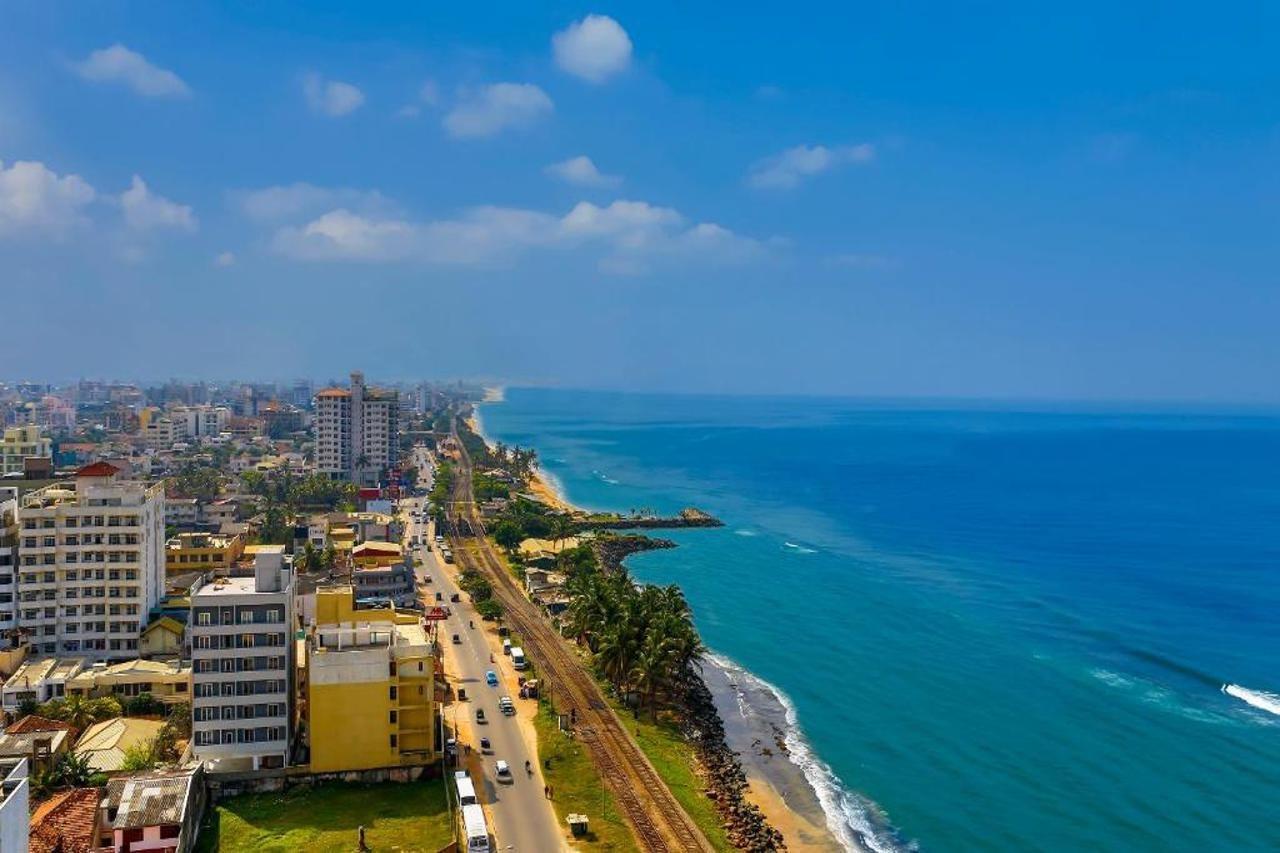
(476, 831)
(466, 791)
(517, 657)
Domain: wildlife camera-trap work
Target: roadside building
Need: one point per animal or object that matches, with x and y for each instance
(394, 581)
(40, 743)
(92, 563)
(20, 444)
(376, 554)
(369, 686)
(242, 673)
(202, 552)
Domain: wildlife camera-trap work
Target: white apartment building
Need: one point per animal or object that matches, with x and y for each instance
(21, 443)
(196, 422)
(91, 563)
(357, 431)
(8, 557)
(242, 667)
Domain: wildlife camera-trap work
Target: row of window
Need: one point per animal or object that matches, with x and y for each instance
(238, 712)
(85, 577)
(234, 736)
(254, 664)
(239, 641)
(77, 541)
(82, 521)
(260, 687)
(86, 557)
(244, 616)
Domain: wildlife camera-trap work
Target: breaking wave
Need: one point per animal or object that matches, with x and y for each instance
(1259, 699)
(853, 820)
(799, 549)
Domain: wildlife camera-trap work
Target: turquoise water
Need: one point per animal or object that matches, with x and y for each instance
(1008, 630)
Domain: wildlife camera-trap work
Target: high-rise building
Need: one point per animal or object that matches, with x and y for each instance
(21, 443)
(92, 563)
(8, 557)
(242, 666)
(357, 431)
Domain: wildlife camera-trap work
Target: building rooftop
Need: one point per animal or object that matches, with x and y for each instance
(36, 723)
(66, 823)
(199, 540)
(149, 799)
(104, 744)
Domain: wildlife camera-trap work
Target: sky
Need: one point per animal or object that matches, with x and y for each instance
(1000, 200)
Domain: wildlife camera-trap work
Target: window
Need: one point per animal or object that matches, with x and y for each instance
(393, 741)
(204, 618)
(393, 692)
(393, 718)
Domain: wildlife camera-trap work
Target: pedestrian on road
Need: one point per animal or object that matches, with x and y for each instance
(546, 792)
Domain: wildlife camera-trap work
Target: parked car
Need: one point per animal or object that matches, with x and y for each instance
(491, 678)
(504, 772)
(505, 706)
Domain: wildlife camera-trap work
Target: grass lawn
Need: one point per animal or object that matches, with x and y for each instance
(577, 786)
(674, 760)
(408, 817)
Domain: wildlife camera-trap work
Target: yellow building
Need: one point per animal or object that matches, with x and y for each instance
(166, 681)
(374, 555)
(369, 682)
(202, 552)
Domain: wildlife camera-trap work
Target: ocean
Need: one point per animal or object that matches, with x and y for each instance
(981, 628)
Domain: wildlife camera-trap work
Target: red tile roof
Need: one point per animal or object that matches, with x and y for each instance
(67, 823)
(98, 469)
(36, 723)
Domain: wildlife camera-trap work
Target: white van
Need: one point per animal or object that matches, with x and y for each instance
(466, 791)
(517, 657)
(476, 831)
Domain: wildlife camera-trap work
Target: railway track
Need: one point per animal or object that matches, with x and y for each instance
(658, 821)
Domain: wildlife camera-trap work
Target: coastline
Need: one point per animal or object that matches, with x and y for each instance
(780, 790)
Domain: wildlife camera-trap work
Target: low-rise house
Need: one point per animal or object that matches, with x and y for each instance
(36, 739)
(395, 581)
(39, 680)
(205, 552)
(182, 513)
(376, 554)
(104, 745)
(67, 822)
(157, 811)
(166, 681)
(543, 552)
(164, 637)
(219, 512)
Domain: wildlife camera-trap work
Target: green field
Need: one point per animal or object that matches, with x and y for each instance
(674, 760)
(577, 786)
(402, 817)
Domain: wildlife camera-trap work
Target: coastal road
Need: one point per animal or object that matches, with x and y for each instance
(519, 816)
(657, 819)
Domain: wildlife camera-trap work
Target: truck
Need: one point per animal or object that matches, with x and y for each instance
(517, 657)
(466, 790)
(475, 829)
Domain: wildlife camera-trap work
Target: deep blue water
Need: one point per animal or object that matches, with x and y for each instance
(1008, 629)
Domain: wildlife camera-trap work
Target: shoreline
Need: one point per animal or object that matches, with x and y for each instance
(803, 828)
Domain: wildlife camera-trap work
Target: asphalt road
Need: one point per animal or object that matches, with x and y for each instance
(519, 815)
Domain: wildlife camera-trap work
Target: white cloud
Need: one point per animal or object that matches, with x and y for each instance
(146, 211)
(495, 108)
(225, 259)
(291, 201)
(428, 96)
(331, 98)
(118, 64)
(35, 198)
(625, 236)
(595, 48)
(786, 170)
(580, 171)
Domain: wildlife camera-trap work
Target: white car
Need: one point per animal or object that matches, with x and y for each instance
(504, 772)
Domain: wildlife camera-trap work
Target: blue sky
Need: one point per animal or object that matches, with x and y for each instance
(883, 199)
